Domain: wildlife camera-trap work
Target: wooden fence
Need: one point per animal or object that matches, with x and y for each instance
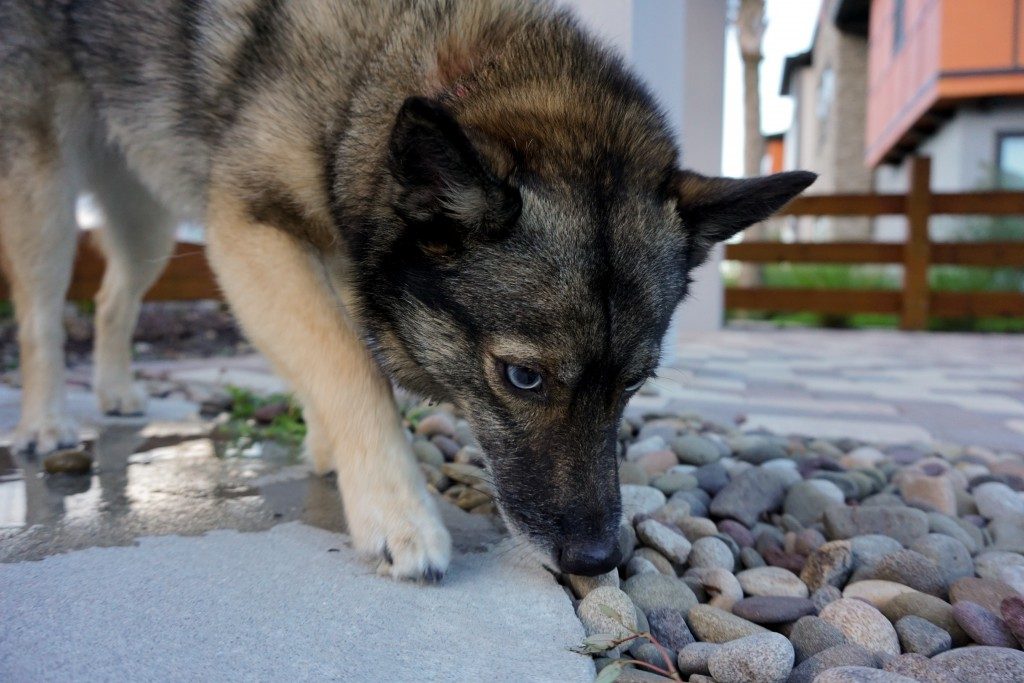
(188, 275)
(914, 302)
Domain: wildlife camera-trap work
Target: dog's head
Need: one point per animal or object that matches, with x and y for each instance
(536, 301)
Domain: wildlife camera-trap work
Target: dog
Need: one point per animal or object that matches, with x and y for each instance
(474, 200)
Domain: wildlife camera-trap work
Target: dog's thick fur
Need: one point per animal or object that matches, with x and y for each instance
(428, 191)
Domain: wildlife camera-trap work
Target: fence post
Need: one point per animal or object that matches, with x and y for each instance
(917, 250)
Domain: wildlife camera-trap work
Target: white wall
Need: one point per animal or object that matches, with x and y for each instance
(678, 48)
(963, 153)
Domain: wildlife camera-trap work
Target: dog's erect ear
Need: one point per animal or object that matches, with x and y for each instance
(715, 209)
(443, 180)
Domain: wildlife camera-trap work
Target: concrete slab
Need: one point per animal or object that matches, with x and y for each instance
(291, 603)
(833, 428)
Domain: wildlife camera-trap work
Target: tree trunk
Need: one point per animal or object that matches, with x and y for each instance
(749, 34)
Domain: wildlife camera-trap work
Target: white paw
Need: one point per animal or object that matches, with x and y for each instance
(316, 451)
(46, 434)
(121, 398)
(407, 538)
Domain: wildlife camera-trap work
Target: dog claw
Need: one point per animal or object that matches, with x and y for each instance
(433, 574)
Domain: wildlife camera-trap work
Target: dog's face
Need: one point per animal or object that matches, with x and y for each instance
(538, 308)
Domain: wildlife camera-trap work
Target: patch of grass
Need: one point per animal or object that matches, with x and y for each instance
(277, 417)
(828, 276)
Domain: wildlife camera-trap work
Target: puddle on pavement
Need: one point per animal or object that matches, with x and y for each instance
(160, 479)
(170, 479)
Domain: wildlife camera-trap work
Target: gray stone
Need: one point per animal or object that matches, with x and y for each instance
(825, 595)
(749, 495)
(860, 674)
(839, 655)
(773, 609)
(983, 664)
(772, 581)
(986, 592)
(668, 626)
(757, 450)
(1008, 533)
(989, 565)
(965, 532)
(714, 625)
(696, 528)
(633, 473)
(693, 659)
(710, 553)
(808, 500)
(711, 477)
(582, 585)
(427, 452)
(929, 607)
(670, 482)
(829, 565)
(760, 658)
(911, 569)
(672, 545)
(901, 523)
(639, 449)
(950, 555)
(592, 612)
(640, 500)
(918, 668)
(998, 500)
(870, 548)
(751, 559)
(627, 540)
(653, 591)
(719, 585)
(661, 563)
(640, 565)
(982, 626)
(862, 624)
(922, 637)
(692, 449)
(811, 635)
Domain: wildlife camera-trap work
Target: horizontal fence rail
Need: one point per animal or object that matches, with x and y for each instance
(187, 276)
(914, 302)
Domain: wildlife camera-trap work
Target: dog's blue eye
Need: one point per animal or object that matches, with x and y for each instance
(523, 378)
(635, 385)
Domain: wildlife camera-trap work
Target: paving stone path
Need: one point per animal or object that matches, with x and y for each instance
(880, 386)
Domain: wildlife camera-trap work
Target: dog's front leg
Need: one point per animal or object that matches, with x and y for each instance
(280, 294)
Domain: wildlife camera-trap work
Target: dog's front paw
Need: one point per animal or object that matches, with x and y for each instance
(45, 434)
(121, 398)
(408, 540)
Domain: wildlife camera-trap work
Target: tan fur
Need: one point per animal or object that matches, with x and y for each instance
(347, 400)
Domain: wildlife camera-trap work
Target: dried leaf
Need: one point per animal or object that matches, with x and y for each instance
(610, 673)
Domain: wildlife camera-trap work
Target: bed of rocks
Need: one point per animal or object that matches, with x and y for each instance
(758, 558)
(755, 558)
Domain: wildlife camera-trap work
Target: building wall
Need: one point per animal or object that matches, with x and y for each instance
(678, 48)
(963, 153)
(828, 132)
(950, 50)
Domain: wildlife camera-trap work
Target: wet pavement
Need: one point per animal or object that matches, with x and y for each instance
(171, 561)
(170, 478)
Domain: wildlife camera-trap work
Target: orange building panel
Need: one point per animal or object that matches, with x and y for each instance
(934, 54)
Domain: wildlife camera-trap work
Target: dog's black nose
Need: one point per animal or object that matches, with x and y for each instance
(589, 558)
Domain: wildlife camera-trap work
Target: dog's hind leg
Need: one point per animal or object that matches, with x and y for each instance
(137, 238)
(38, 236)
(281, 295)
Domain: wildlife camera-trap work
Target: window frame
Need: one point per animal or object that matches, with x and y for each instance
(1000, 137)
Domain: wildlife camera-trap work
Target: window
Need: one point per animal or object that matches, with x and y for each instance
(898, 24)
(1010, 160)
